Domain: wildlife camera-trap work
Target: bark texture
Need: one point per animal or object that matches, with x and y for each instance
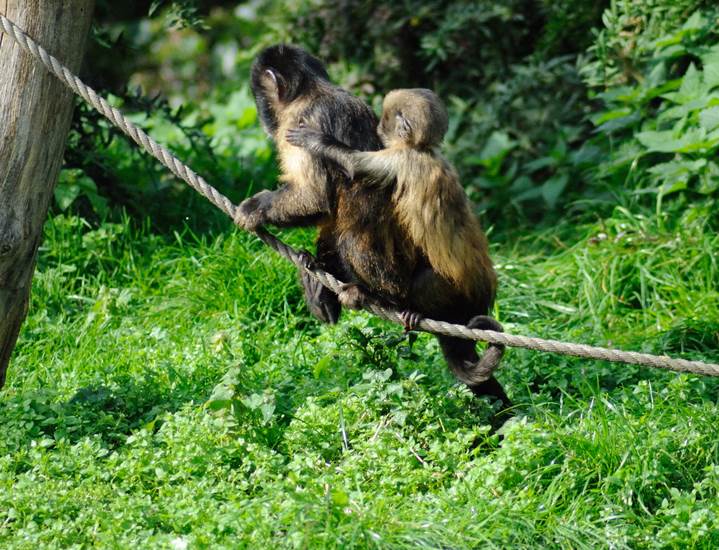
(35, 116)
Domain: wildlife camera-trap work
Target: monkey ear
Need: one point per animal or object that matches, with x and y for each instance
(404, 128)
(272, 75)
(278, 82)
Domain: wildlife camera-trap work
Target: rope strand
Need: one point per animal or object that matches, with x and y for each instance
(198, 183)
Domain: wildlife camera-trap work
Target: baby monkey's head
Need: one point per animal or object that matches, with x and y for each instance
(413, 117)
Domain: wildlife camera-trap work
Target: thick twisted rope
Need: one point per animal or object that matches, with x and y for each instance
(198, 183)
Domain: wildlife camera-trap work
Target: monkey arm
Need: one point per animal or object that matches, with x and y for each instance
(323, 145)
(291, 205)
(376, 164)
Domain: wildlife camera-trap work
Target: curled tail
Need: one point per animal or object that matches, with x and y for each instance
(490, 359)
(471, 369)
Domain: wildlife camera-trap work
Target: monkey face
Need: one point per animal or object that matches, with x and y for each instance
(280, 75)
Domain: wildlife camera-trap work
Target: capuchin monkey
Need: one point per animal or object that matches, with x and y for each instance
(452, 278)
(355, 240)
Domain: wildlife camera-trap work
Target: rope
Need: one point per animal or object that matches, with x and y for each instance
(199, 184)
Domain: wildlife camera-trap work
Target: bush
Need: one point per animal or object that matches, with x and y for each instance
(505, 69)
(659, 122)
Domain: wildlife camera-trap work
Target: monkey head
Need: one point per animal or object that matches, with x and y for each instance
(413, 117)
(280, 74)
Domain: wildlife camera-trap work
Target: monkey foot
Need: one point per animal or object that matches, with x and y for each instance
(485, 322)
(352, 296)
(307, 260)
(410, 320)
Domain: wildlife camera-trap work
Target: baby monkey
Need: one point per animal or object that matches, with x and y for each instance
(452, 276)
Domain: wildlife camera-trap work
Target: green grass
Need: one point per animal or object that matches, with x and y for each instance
(174, 392)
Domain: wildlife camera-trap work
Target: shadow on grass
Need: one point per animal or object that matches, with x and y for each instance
(111, 413)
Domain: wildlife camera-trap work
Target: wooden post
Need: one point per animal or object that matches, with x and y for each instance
(35, 116)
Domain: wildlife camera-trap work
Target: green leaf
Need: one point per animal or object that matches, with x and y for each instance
(672, 187)
(75, 183)
(710, 65)
(677, 168)
(254, 401)
(656, 141)
(267, 410)
(540, 163)
(530, 194)
(674, 176)
(619, 123)
(495, 149)
(681, 111)
(709, 179)
(657, 76)
(606, 116)
(221, 392)
(709, 118)
(692, 85)
(322, 366)
(339, 497)
(65, 195)
(695, 139)
(553, 187)
(219, 404)
(696, 21)
(399, 417)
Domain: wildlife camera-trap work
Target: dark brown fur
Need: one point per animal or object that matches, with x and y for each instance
(355, 240)
(452, 277)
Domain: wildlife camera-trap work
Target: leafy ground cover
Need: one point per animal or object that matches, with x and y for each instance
(174, 392)
(169, 390)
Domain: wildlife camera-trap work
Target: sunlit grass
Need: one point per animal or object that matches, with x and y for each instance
(172, 391)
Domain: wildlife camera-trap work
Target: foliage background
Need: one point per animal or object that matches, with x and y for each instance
(170, 390)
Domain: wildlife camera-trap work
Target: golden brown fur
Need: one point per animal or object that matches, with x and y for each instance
(428, 201)
(433, 209)
(394, 222)
(452, 277)
(424, 119)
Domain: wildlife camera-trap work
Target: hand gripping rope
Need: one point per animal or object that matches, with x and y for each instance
(198, 183)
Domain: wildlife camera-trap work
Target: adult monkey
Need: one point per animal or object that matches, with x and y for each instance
(355, 241)
(359, 238)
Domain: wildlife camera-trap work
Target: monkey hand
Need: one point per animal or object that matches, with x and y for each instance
(252, 212)
(305, 137)
(353, 296)
(410, 320)
(307, 260)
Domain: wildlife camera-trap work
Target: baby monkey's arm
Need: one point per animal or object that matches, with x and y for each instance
(376, 164)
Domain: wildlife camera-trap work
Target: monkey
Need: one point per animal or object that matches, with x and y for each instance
(355, 241)
(452, 277)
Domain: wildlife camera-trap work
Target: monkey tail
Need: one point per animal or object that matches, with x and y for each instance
(490, 358)
(474, 371)
(494, 352)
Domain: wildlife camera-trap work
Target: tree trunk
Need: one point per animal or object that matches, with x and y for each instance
(35, 116)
